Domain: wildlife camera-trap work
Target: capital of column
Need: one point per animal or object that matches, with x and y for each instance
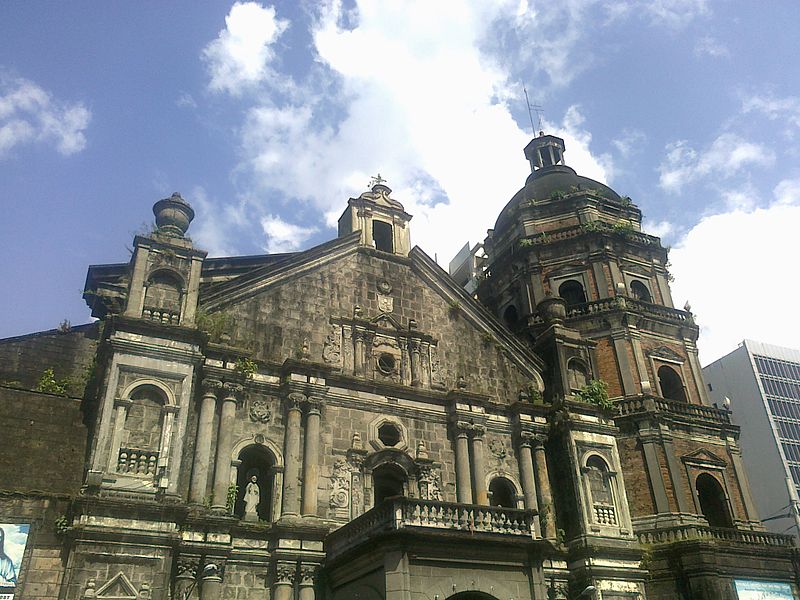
(232, 391)
(213, 568)
(478, 431)
(295, 401)
(307, 575)
(211, 387)
(538, 441)
(527, 439)
(188, 567)
(414, 345)
(314, 404)
(462, 428)
(285, 573)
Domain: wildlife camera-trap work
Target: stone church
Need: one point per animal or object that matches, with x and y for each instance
(349, 422)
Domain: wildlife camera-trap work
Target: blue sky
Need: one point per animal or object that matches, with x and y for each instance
(267, 117)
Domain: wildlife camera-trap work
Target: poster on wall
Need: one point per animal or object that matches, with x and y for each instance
(13, 538)
(763, 590)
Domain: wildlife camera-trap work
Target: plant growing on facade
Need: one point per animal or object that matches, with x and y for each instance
(557, 195)
(49, 384)
(596, 392)
(61, 525)
(214, 324)
(453, 307)
(246, 367)
(230, 498)
(525, 242)
(534, 394)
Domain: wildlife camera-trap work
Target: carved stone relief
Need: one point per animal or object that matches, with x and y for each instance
(340, 490)
(332, 349)
(259, 411)
(430, 483)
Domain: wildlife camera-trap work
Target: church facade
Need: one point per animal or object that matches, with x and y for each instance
(348, 422)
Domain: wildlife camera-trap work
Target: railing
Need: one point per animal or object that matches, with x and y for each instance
(605, 514)
(137, 462)
(622, 302)
(162, 315)
(703, 532)
(410, 513)
(640, 404)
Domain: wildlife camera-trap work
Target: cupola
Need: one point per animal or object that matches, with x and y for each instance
(545, 151)
(381, 219)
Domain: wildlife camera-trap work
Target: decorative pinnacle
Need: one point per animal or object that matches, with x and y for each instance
(376, 180)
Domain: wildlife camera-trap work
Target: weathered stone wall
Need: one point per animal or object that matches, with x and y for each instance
(277, 322)
(44, 442)
(637, 484)
(23, 359)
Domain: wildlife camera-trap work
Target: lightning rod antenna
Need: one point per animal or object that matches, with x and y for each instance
(530, 114)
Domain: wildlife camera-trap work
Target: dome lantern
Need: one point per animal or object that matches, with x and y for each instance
(545, 151)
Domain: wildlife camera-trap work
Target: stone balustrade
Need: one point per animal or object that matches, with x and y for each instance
(137, 462)
(641, 404)
(605, 514)
(624, 303)
(410, 513)
(162, 315)
(702, 532)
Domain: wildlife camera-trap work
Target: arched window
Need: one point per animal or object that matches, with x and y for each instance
(572, 292)
(141, 433)
(713, 503)
(639, 291)
(671, 384)
(577, 374)
(599, 479)
(502, 493)
(511, 316)
(388, 480)
(254, 504)
(382, 235)
(162, 299)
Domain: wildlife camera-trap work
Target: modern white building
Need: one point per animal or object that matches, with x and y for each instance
(762, 384)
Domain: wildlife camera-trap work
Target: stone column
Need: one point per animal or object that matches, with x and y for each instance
(311, 458)
(653, 467)
(358, 352)
(187, 567)
(222, 467)
(413, 347)
(285, 576)
(463, 480)
(479, 466)
(545, 499)
(202, 447)
(526, 470)
(211, 583)
(291, 476)
(307, 573)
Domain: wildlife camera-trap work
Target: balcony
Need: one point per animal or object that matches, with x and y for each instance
(704, 533)
(415, 515)
(642, 404)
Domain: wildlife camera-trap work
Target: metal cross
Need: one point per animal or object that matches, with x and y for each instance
(376, 180)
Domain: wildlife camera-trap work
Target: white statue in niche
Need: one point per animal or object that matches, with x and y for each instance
(252, 496)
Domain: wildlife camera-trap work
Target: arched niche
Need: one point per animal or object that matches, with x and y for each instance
(600, 485)
(389, 473)
(472, 595)
(572, 291)
(671, 384)
(511, 316)
(503, 492)
(259, 456)
(163, 297)
(713, 501)
(578, 374)
(640, 292)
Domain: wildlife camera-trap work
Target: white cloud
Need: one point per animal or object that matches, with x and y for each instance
(283, 236)
(737, 269)
(674, 13)
(29, 114)
(727, 155)
(774, 108)
(629, 142)
(710, 46)
(658, 228)
(240, 55)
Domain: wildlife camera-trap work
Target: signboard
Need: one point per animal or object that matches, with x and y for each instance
(13, 538)
(763, 590)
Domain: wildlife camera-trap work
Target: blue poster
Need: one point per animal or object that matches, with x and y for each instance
(763, 590)
(13, 538)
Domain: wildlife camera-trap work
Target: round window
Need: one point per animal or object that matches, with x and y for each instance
(386, 363)
(389, 434)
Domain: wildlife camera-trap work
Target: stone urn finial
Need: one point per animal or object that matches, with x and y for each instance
(553, 309)
(173, 215)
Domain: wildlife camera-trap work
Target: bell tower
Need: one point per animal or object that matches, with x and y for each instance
(381, 219)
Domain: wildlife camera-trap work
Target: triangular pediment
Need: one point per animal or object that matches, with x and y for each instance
(665, 353)
(387, 321)
(704, 457)
(118, 587)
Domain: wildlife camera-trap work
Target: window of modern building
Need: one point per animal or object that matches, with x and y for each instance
(502, 493)
(713, 503)
(572, 291)
(388, 480)
(671, 384)
(639, 291)
(382, 234)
